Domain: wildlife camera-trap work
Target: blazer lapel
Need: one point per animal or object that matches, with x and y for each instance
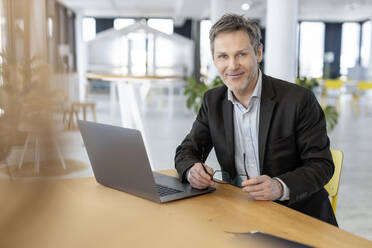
(266, 111)
(227, 113)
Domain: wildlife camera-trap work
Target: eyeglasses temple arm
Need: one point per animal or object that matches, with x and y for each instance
(245, 169)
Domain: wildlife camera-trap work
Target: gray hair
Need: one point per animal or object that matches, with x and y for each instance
(233, 22)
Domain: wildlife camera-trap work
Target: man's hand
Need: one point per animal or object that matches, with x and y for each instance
(198, 178)
(263, 188)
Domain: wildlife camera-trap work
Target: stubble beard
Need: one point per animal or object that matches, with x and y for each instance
(244, 87)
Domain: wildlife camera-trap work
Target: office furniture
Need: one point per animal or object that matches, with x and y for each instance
(364, 87)
(334, 86)
(68, 117)
(81, 213)
(125, 86)
(75, 108)
(332, 185)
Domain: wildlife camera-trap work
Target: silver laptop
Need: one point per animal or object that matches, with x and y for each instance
(119, 160)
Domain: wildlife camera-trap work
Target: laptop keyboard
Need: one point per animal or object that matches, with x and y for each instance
(164, 190)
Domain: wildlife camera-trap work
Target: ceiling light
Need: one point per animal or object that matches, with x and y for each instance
(245, 6)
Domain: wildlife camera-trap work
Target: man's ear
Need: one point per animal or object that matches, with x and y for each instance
(259, 53)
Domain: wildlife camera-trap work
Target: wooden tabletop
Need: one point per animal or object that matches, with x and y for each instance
(108, 76)
(82, 213)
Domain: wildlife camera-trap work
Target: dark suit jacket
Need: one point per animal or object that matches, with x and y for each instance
(292, 143)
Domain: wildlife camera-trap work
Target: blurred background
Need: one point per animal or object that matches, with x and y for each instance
(146, 64)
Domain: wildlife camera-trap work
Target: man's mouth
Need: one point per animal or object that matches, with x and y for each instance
(234, 75)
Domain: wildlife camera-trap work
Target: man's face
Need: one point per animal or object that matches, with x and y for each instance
(236, 61)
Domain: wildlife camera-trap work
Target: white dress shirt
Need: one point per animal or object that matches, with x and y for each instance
(246, 126)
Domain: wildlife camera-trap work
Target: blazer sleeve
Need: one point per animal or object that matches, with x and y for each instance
(196, 145)
(316, 167)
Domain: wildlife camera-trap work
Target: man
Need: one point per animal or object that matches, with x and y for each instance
(268, 129)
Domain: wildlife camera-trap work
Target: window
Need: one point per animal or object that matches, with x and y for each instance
(349, 46)
(163, 25)
(89, 28)
(205, 50)
(366, 43)
(120, 23)
(311, 49)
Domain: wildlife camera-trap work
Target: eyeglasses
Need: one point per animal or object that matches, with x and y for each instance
(223, 177)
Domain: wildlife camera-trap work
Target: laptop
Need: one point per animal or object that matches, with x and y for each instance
(119, 160)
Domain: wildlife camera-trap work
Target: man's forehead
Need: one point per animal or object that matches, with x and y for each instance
(231, 49)
(239, 38)
(239, 32)
(228, 46)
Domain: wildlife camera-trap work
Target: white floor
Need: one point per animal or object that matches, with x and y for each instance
(164, 132)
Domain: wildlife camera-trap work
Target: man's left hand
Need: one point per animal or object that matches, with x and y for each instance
(263, 188)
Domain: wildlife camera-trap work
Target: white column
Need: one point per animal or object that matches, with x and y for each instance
(369, 71)
(218, 9)
(81, 55)
(281, 39)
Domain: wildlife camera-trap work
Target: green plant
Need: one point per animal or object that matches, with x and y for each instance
(194, 91)
(330, 112)
(331, 116)
(310, 83)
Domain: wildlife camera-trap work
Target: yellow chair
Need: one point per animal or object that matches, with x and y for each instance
(332, 84)
(362, 87)
(332, 186)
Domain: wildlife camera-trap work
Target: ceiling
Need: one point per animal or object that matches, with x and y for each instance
(324, 10)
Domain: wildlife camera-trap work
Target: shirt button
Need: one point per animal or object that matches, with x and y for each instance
(251, 165)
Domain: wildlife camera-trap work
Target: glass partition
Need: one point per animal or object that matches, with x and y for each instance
(140, 50)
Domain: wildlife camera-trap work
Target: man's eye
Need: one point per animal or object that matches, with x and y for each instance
(242, 54)
(222, 56)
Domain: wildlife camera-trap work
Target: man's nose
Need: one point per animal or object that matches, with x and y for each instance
(233, 64)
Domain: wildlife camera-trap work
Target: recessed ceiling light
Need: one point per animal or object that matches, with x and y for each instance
(245, 6)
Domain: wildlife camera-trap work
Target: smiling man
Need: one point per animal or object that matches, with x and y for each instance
(269, 135)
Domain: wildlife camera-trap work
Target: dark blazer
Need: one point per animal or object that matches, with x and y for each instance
(292, 142)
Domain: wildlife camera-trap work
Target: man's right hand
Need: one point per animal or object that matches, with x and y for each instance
(198, 178)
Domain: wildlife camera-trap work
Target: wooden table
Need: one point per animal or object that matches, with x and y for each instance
(83, 213)
(129, 104)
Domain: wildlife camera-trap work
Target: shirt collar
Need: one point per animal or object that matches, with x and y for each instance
(256, 92)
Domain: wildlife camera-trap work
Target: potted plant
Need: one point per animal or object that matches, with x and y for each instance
(194, 91)
(330, 112)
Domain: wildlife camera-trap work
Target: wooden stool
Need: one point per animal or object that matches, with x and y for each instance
(75, 109)
(70, 113)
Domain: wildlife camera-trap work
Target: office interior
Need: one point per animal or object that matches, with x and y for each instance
(127, 63)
